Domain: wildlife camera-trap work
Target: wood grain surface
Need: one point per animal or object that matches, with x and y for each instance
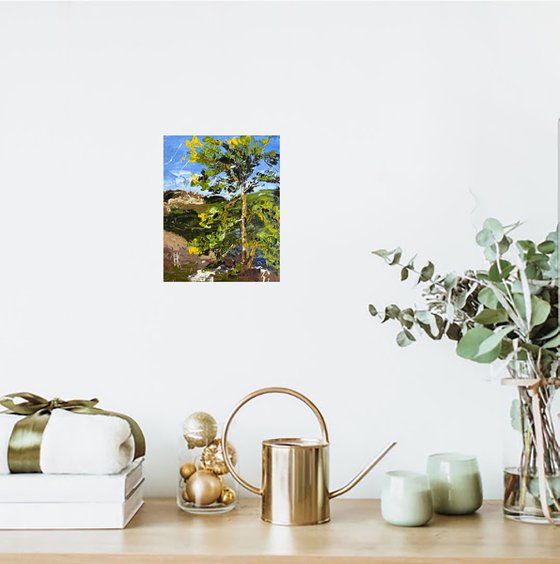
(161, 533)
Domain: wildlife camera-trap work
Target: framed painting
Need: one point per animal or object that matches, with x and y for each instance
(221, 208)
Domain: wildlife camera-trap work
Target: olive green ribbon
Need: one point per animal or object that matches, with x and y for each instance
(24, 446)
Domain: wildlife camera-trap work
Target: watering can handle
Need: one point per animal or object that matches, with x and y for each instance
(247, 399)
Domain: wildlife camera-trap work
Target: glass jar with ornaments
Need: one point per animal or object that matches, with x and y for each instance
(204, 483)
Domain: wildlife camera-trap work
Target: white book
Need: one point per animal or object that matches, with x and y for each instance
(75, 488)
(113, 515)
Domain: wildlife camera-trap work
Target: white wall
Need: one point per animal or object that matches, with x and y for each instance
(389, 116)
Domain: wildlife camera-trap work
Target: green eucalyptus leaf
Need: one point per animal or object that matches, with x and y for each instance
(533, 271)
(431, 323)
(383, 253)
(547, 247)
(552, 333)
(440, 324)
(427, 272)
(404, 273)
(424, 316)
(515, 415)
(492, 342)
(406, 317)
(519, 302)
(506, 348)
(482, 275)
(504, 244)
(450, 281)
(397, 254)
(427, 329)
(490, 253)
(552, 268)
(533, 349)
(485, 238)
(535, 490)
(553, 343)
(487, 297)
(481, 344)
(489, 357)
(373, 310)
(538, 258)
(500, 270)
(521, 354)
(540, 311)
(392, 312)
(526, 245)
(403, 340)
(450, 312)
(470, 342)
(495, 227)
(489, 316)
(461, 299)
(409, 335)
(454, 332)
(534, 285)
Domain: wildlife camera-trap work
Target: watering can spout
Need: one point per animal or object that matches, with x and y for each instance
(354, 481)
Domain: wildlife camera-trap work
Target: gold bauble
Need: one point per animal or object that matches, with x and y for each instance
(212, 457)
(187, 470)
(203, 487)
(199, 429)
(228, 496)
(184, 494)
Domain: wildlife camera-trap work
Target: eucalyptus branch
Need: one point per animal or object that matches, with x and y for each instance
(485, 310)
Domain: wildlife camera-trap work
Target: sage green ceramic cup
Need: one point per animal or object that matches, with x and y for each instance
(455, 483)
(406, 499)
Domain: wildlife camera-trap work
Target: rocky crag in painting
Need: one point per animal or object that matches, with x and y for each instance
(221, 208)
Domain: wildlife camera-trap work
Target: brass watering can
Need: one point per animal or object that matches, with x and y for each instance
(295, 472)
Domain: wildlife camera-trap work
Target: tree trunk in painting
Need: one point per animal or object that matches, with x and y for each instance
(244, 242)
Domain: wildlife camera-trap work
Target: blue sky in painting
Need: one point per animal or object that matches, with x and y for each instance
(176, 172)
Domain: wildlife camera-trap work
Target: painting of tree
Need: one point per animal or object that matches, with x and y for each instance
(221, 206)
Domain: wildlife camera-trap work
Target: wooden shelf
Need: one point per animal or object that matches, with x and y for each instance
(357, 534)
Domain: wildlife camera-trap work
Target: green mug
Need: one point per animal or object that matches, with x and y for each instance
(405, 499)
(455, 483)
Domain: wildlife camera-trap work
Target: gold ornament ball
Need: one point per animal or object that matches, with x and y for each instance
(199, 429)
(203, 487)
(187, 470)
(228, 496)
(212, 457)
(184, 494)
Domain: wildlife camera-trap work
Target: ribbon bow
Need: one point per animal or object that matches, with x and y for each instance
(33, 403)
(24, 447)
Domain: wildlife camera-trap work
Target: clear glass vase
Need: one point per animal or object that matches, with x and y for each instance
(204, 484)
(523, 499)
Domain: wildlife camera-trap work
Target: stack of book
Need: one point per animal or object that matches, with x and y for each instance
(71, 501)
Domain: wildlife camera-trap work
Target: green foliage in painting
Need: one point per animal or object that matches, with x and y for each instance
(232, 214)
(232, 166)
(235, 167)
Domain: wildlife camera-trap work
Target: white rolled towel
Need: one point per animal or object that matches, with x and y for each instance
(76, 443)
